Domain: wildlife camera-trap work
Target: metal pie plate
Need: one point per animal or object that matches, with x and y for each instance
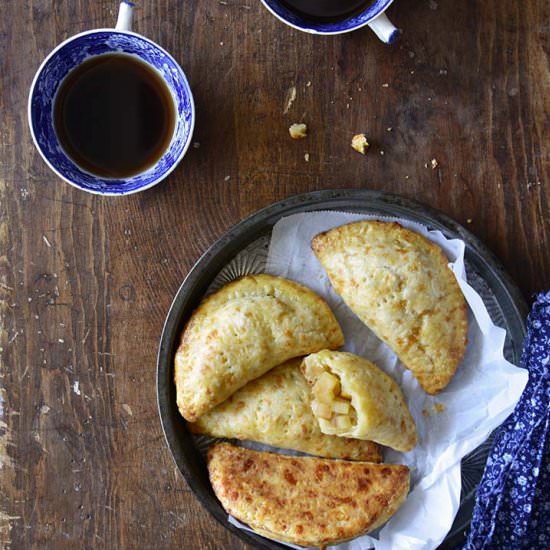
(243, 250)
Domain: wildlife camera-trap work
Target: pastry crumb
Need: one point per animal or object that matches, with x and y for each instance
(469, 220)
(289, 99)
(298, 130)
(434, 164)
(439, 407)
(360, 144)
(306, 157)
(385, 85)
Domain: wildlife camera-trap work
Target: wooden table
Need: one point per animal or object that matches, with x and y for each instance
(85, 281)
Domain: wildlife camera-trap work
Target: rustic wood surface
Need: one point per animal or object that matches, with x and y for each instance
(86, 282)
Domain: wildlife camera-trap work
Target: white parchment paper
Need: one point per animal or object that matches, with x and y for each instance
(481, 395)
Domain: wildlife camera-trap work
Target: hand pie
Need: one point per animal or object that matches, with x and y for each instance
(352, 397)
(240, 332)
(305, 500)
(399, 284)
(275, 409)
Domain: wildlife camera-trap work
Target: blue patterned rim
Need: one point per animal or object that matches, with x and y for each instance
(289, 17)
(69, 55)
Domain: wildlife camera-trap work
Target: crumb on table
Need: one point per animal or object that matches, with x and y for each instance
(360, 144)
(298, 131)
(289, 99)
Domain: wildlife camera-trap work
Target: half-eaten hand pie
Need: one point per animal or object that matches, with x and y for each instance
(352, 397)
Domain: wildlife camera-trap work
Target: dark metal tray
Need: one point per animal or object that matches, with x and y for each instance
(243, 249)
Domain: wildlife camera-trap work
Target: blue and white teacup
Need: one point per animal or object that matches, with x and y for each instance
(373, 15)
(69, 55)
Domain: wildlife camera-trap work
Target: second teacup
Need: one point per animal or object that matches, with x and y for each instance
(330, 17)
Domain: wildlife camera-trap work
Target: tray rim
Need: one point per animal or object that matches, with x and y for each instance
(259, 223)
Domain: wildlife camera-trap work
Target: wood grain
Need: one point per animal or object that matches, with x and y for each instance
(85, 281)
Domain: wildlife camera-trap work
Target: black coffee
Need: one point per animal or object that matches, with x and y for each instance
(114, 115)
(326, 10)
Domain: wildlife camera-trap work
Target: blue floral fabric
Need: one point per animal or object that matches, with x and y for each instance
(512, 509)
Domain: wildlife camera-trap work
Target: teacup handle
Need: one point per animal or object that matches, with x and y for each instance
(384, 29)
(125, 16)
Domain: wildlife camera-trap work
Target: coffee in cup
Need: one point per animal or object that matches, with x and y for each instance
(114, 115)
(327, 10)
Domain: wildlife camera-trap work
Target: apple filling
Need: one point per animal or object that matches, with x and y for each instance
(331, 403)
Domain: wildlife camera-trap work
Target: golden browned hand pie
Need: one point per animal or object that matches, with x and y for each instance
(305, 500)
(399, 284)
(275, 409)
(243, 330)
(352, 397)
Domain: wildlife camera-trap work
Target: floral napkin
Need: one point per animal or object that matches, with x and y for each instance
(512, 508)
